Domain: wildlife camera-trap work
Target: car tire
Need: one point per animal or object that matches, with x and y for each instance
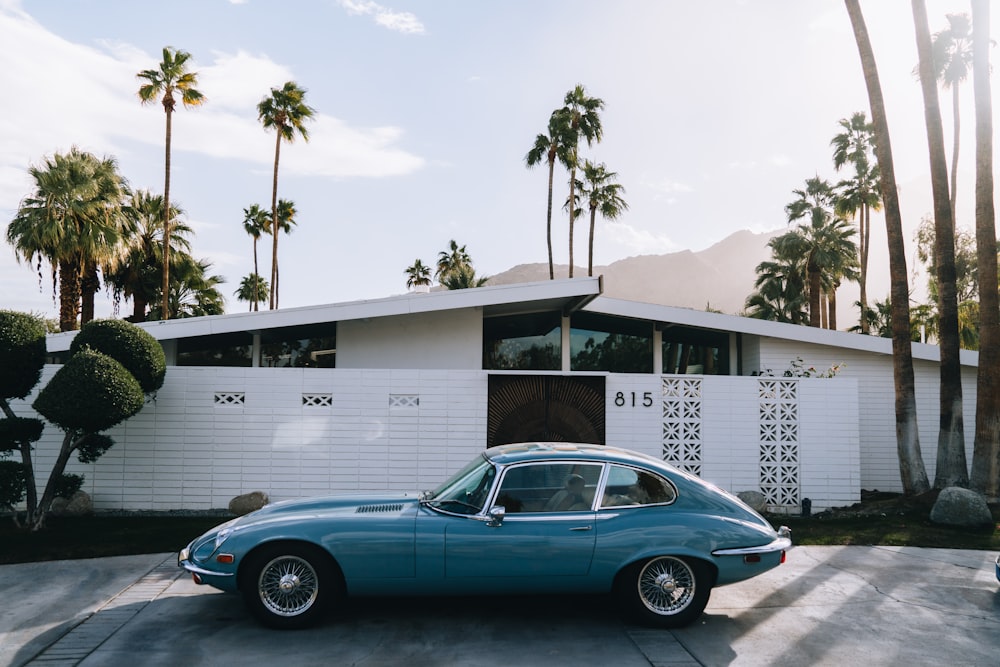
(289, 586)
(665, 591)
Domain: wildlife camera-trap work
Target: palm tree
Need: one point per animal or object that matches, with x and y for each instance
(463, 277)
(286, 220)
(73, 220)
(286, 112)
(417, 274)
(602, 194)
(952, 468)
(551, 147)
(584, 121)
(951, 54)
(858, 196)
(913, 474)
(450, 260)
(824, 240)
(170, 76)
(253, 289)
(136, 273)
(256, 223)
(193, 293)
(780, 289)
(985, 476)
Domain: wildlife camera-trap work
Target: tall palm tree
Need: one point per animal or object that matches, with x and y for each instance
(584, 121)
(985, 476)
(858, 196)
(253, 289)
(73, 220)
(136, 273)
(256, 223)
(951, 54)
(286, 220)
(285, 111)
(602, 195)
(450, 260)
(417, 274)
(913, 474)
(193, 292)
(824, 239)
(551, 147)
(170, 76)
(780, 289)
(952, 468)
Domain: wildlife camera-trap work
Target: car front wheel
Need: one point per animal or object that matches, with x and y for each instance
(289, 587)
(666, 591)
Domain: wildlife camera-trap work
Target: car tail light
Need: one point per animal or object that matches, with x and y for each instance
(784, 555)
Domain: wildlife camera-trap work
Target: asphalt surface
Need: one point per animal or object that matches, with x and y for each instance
(825, 606)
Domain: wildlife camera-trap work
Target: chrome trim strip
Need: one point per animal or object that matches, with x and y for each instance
(780, 544)
(187, 565)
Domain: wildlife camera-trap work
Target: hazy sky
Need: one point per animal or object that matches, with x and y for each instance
(715, 112)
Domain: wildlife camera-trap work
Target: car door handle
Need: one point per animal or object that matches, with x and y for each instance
(581, 528)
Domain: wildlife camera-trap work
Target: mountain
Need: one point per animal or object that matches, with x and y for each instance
(720, 276)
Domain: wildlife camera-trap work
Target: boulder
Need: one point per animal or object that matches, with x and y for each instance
(956, 506)
(755, 499)
(248, 502)
(79, 504)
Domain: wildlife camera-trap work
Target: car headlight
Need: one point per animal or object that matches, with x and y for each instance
(222, 536)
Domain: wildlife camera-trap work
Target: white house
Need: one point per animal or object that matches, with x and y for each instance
(399, 392)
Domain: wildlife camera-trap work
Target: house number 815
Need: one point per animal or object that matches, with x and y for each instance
(632, 398)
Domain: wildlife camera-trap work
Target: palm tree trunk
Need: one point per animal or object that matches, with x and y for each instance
(548, 216)
(956, 132)
(138, 309)
(256, 278)
(986, 449)
(952, 469)
(865, 237)
(69, 294)
(572, 212)
(274, 223)
(815, 290)
(590, 245)
(832, 301)
(165, 289)
(911, 465)
(89, 285)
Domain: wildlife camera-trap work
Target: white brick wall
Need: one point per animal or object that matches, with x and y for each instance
(183, 451)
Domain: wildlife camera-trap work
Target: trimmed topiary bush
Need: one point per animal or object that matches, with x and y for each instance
(90, 393)
(22, 353)
(134, 348)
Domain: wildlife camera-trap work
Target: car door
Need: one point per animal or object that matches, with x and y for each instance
(535, 538)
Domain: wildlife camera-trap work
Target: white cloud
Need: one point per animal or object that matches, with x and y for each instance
(403, 22)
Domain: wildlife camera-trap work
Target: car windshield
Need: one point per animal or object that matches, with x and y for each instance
(467, 489)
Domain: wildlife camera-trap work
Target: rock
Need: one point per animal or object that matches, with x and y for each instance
(79, 504)
(248, 502)
(755, 499)
(961, 507)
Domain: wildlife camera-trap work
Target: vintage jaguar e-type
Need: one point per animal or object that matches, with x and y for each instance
(525, 518)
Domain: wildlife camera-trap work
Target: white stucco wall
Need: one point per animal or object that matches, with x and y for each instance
(448, 340)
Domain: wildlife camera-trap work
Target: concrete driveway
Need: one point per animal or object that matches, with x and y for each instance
(825, 606)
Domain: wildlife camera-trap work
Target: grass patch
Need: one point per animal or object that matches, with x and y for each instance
(908, 529)
(96, 536)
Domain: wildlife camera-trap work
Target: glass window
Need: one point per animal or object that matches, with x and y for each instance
(698, 351)
(232, 349)
(549, 487)
(523, 342)
(630, 487)
(467, 489)
(616, 345)
(311, 346)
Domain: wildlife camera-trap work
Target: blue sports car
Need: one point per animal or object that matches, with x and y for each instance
(524, 518)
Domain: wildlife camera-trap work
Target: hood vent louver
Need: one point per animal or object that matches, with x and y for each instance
(368, 509)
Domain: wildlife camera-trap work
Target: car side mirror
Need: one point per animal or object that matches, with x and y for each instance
(496, 515)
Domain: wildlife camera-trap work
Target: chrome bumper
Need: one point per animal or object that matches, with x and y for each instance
(184, 561)
(782, 543)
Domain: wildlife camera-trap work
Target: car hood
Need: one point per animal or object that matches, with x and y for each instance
(383, 503)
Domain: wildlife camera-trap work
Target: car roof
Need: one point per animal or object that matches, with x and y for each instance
(568, 451)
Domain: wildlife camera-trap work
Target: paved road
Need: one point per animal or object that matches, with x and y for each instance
(826, 606)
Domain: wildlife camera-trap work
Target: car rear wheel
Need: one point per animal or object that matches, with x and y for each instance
(289, 586)
(666, 591)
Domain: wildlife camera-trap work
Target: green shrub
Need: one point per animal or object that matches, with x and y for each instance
(68, 484)
(12, 484)
(90, 393)
(92, 446)
(15, 430)
(22, 353)
(131, 346)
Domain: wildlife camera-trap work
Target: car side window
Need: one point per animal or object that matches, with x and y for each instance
(630, 487)
(549, 487)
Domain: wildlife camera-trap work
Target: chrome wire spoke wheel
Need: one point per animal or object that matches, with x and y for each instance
(288, 586)
(666, 585)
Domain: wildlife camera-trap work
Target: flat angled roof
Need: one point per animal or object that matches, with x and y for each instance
(550, 295)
